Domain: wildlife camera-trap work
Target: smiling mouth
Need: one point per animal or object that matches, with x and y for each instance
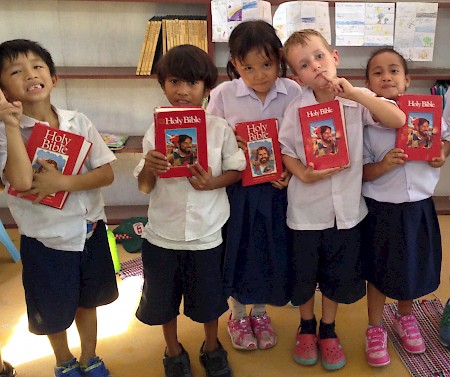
(35, 87)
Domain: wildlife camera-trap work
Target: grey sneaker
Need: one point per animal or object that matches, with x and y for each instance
(177, 366)
(215, 362)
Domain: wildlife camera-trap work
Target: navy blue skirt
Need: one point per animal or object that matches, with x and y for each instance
(403, 252)
(257, 245)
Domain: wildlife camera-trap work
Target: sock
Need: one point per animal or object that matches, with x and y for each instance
(258, 309)
(326, 330)
(238, 310)
(308, 326)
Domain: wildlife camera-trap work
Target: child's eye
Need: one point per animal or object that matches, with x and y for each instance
(174, 81)
(394, 71)
(248, 69)
(15, 72)
(377, 73)
(196, 82)
(38, 67)
(267, 65)
(320, 56)
(304, 65)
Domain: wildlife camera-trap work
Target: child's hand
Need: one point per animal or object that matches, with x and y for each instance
(310, 175)
(393, 159)
(438, 162)
(47, 182)
(341, 86)
(241, 142)
(283, 181)
(156, 162)
(10, 113)
(201, 179)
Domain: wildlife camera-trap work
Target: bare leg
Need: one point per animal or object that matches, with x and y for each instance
(307, 309)
(60, 347)
(329, 310)
(86, 321)
(211, 336)
(375, 305)
(171, 337)
(405, 307)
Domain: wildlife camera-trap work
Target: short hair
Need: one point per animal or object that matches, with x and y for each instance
(188, 63)
(10, 50)
(263, 147)
(302, 37)
(382, 51)
(182, 138)
(254, 34)
(422, 121)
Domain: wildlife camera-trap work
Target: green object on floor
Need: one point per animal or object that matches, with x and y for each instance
(113, 249)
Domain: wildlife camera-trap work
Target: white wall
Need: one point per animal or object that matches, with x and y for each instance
(110, 33)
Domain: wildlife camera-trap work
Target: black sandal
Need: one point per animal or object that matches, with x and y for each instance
(8, 370)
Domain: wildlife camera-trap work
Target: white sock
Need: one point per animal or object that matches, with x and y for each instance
(238, 310)
(258, 309)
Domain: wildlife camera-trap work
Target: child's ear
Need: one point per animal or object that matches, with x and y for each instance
(407, 81)
(335, 54)
(54, 79)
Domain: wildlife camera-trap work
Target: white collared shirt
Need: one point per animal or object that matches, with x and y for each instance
(63, 229)
(411, 182)
(180, 217)
(336, 199)
(236, 102)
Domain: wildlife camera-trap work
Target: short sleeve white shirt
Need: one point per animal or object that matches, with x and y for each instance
(236, 102)
(180, 217)
(413, 181)
(63, 229)
(336, 199)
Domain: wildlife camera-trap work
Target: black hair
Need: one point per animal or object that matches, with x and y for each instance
(253, 34)
(188, 63)
(263, 147)
(182, 138)
(10, 50)
(382, 51)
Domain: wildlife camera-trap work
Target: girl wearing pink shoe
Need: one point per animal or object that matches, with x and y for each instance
(256, 258)
(402, 238)
(325, 207)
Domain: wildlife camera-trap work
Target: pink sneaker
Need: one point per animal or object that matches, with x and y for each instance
(241, 334)
(331, 354)
(406, 327)
(305, 351)
(262, 328)
(376, 347)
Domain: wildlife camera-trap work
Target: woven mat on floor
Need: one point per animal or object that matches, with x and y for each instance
(132, 267)
(435, 362)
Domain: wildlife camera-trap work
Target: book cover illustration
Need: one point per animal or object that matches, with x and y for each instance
(64, 150)
(420, 136)
(324, 135)
(180, 134)
(264, 163)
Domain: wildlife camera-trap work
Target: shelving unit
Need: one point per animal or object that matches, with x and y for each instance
(96, 44)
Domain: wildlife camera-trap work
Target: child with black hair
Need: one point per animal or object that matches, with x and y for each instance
(257, 245)
(403, 241)
(182, 250)
(67, 265)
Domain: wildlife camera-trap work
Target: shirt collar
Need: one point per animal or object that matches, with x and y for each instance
(64, 118)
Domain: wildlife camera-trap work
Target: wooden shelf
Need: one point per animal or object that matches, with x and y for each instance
(133, 145)
(116, 214)
(130, 73)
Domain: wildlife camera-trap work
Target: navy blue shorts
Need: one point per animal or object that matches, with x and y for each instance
(170, 275)
(331, 258)
(57, 282)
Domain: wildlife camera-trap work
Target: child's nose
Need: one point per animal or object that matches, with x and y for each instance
(183, 88)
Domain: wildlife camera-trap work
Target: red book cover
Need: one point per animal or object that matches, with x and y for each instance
(324, 135)
(264, 163)
(65, 150)
(420, 136)
(180, 134)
